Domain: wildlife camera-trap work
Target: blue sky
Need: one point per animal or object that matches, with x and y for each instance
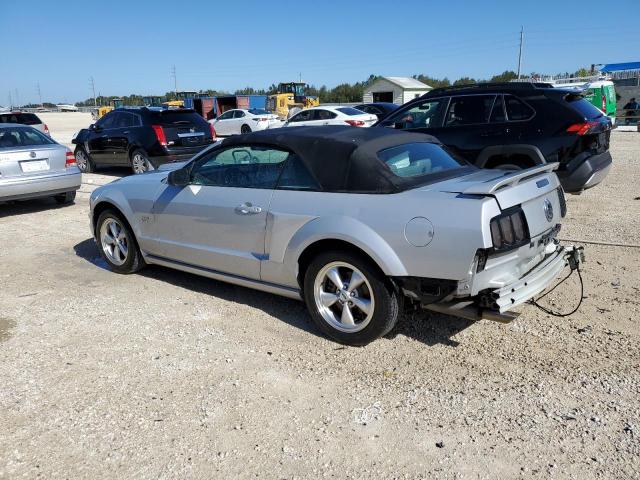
(131, 46)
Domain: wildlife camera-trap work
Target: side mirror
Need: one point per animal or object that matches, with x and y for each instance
(179, 178)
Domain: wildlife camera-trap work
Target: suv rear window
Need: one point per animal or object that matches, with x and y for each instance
(583, 106)
(23, 118)
(177, 117)
(418, 159)
(517, 109)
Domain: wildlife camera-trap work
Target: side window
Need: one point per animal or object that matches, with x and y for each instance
(303, 116)
(469, 110)
(517, 109)
(296, 176)
(108, 120)
(426, 114)
(238, 114)
(225, 116)
(245, 166)
(124, 120)
(323, 115)
(497, 114)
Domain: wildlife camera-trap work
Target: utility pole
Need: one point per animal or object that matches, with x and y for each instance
(10, 101)
(93, 90)
(520, 52)
(175, 80)
(40, 95)
(17, 99)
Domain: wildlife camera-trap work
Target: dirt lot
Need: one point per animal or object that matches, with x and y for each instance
(168, 375)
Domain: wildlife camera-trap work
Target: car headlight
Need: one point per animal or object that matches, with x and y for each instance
(509, 229)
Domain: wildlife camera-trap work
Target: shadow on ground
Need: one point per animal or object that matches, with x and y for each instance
(22, 207)
(429, 328)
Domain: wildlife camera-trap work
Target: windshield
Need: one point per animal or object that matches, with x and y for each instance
(418, 159)
(17, 137)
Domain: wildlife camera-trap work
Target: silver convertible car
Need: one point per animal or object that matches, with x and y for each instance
(354, 221)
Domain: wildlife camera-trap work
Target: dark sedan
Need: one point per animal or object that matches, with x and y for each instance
(379, 109)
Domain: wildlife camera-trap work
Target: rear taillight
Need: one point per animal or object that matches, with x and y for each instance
(159, 131)
(46, 129)
(355, 123)
(213, 131)
(260, 119)
(581, 128)
(604, 104)
(70, 160)
(563, 202)
(509, 229)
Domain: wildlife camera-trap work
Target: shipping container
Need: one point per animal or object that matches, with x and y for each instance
(258, 101)
(208, 110)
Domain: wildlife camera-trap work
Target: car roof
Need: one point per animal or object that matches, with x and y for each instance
(7, 125)
(341, 158)
(488, 87)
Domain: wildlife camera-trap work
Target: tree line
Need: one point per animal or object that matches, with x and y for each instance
(343, 93)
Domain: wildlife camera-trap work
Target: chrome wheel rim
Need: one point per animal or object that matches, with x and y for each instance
(114, 241)
(344, 297)
(140, 164)
(81, 160)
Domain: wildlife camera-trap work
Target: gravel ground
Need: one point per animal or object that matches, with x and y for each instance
(168, 375)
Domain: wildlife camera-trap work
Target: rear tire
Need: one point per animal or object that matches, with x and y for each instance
(65, 198)
(140, 162)
(372, 302)
(245, 129)
(84, 161)
(117, 243)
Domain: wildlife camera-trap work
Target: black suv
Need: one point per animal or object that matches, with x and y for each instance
(142, 138)
(514, 126)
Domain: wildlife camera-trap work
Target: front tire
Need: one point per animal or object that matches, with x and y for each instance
(349, 298)
(117, 244)
(84, 161)
(140, 162)
(65, 198)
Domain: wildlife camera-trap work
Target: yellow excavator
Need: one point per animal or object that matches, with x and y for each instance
(102, 111)
(290, 96)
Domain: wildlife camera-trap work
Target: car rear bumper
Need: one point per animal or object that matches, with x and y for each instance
(588, 173)
(177, 155)
(42, 186)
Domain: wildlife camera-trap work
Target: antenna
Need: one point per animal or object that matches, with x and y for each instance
(520, 52)
(93, 90)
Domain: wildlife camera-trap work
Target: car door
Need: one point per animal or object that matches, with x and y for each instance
(325, 117)
(224, 123)
(218, 221)
(97, 144)
(122, 130)
(239, 119)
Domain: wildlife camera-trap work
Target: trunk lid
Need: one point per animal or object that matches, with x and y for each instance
(183, 128)
(32, 161)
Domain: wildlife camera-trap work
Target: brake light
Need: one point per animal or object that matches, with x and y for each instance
(46, 129)
(509, 230)
(70, 160)
(213, 131)
(159, 131)
(581, 128)
(261, 119)
(355, 123)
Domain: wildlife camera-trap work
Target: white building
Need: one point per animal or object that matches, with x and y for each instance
(396, 90)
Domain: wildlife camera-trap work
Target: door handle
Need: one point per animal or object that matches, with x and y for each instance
(248, 209)
(126, 131)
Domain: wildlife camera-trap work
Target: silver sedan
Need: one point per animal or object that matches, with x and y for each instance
(352, 220)
(34, 165)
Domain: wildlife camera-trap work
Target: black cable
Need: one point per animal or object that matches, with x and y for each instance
(556, 314)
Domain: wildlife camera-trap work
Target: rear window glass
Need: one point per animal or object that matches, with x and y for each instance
(517, 109)
(170, 118)
(23, 118)
(258, 111)
(418, 159)
(17, 137)
(349, 111)
(583, 106)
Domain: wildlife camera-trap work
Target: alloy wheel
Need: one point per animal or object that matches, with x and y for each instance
(140, 164)
(81, 160)
(114, 241)
(343, 297)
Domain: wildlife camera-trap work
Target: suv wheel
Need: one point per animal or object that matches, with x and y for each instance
(117, 244)
(83, 160)
(349, 299)
(245, 129)
(140, 162)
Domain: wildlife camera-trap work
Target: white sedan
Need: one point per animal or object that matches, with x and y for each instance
(234, 122)
(334, 115)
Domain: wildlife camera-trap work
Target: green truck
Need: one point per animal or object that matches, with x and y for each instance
(600, 92)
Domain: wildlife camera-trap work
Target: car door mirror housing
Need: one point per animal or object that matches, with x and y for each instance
(179, 178)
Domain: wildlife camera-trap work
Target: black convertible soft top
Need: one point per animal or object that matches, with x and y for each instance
(342, 159)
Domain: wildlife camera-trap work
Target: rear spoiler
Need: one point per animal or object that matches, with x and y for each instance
(509, 179)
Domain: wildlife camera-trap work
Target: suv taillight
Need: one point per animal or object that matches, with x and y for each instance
(46, 129)
(159, 131)
(509, 229)
(563, 202)
(355, 123)
(581, 128)
(70, 160)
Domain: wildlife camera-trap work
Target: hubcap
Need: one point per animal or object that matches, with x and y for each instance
(114, 241)
(81, 160)
(343, 297)
(139, 163)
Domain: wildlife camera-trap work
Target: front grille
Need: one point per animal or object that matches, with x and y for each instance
(563, 202)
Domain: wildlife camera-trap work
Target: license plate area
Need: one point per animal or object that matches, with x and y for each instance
(30, 166)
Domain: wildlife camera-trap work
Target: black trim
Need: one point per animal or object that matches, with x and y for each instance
(426, 290)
